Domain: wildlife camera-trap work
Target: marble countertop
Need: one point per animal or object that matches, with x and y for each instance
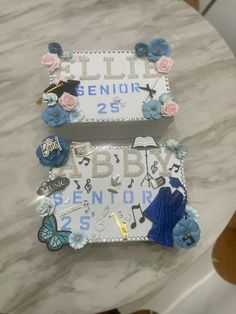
(99, 277)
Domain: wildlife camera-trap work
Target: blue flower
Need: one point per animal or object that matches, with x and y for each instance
(172, 144)
(182, 152)
(56, 48)
(165, 97)
(192, 213)
(77, 239)
(53, 151)
(45, 206)
(152, 109)
(141, 49)
(76, 115)
(55, 115)
(50, 99)
(157, 48)
(67, 54)
(186, 233)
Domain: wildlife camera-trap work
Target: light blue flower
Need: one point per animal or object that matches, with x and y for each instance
(56, 48)
(152, 109)
(172, 144)
(77, 239)
(50, 99)
(67, 54)
(45, 206)
(76, 115)
(186, 233)
(157, 48)
(182, 152)
(165, 97)
(55, 115)
(192, 213)
(141, 49)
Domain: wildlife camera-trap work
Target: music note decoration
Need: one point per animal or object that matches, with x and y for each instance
(176, 168)
(88, 186)
(122, 225)
(86, 206)
(85, 161)
(154, 167)
(131, 183)
(77, 184)
(141, 219)
(125, 218)
(117, 158)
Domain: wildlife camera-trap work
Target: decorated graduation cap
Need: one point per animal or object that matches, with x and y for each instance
(67, 87)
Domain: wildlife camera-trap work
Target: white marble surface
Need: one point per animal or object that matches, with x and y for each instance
(33, 280)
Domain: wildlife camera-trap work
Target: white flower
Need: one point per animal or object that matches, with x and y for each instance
(192, 213)
(50, 99)
(46, 206)
(77, 239)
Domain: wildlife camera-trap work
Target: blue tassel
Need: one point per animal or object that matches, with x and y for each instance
(164, 212)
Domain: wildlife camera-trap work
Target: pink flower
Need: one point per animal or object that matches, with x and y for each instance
(169, 108)
(164, 64)
(51, 61)
(68, 101)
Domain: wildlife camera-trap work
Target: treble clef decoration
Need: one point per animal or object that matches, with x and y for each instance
(99, 224)
(88, 186)
(154, 167)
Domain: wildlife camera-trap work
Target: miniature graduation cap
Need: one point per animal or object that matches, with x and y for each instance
(61, 87)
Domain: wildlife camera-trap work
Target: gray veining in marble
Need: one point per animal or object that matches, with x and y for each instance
(99, 277)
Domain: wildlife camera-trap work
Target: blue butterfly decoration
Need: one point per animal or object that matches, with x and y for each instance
(49, 234)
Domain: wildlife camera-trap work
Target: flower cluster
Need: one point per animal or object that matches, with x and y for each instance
(181, 151)
(154, 51)
(51, 60)
(53, 151)
(165, 106)
(61, 108)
